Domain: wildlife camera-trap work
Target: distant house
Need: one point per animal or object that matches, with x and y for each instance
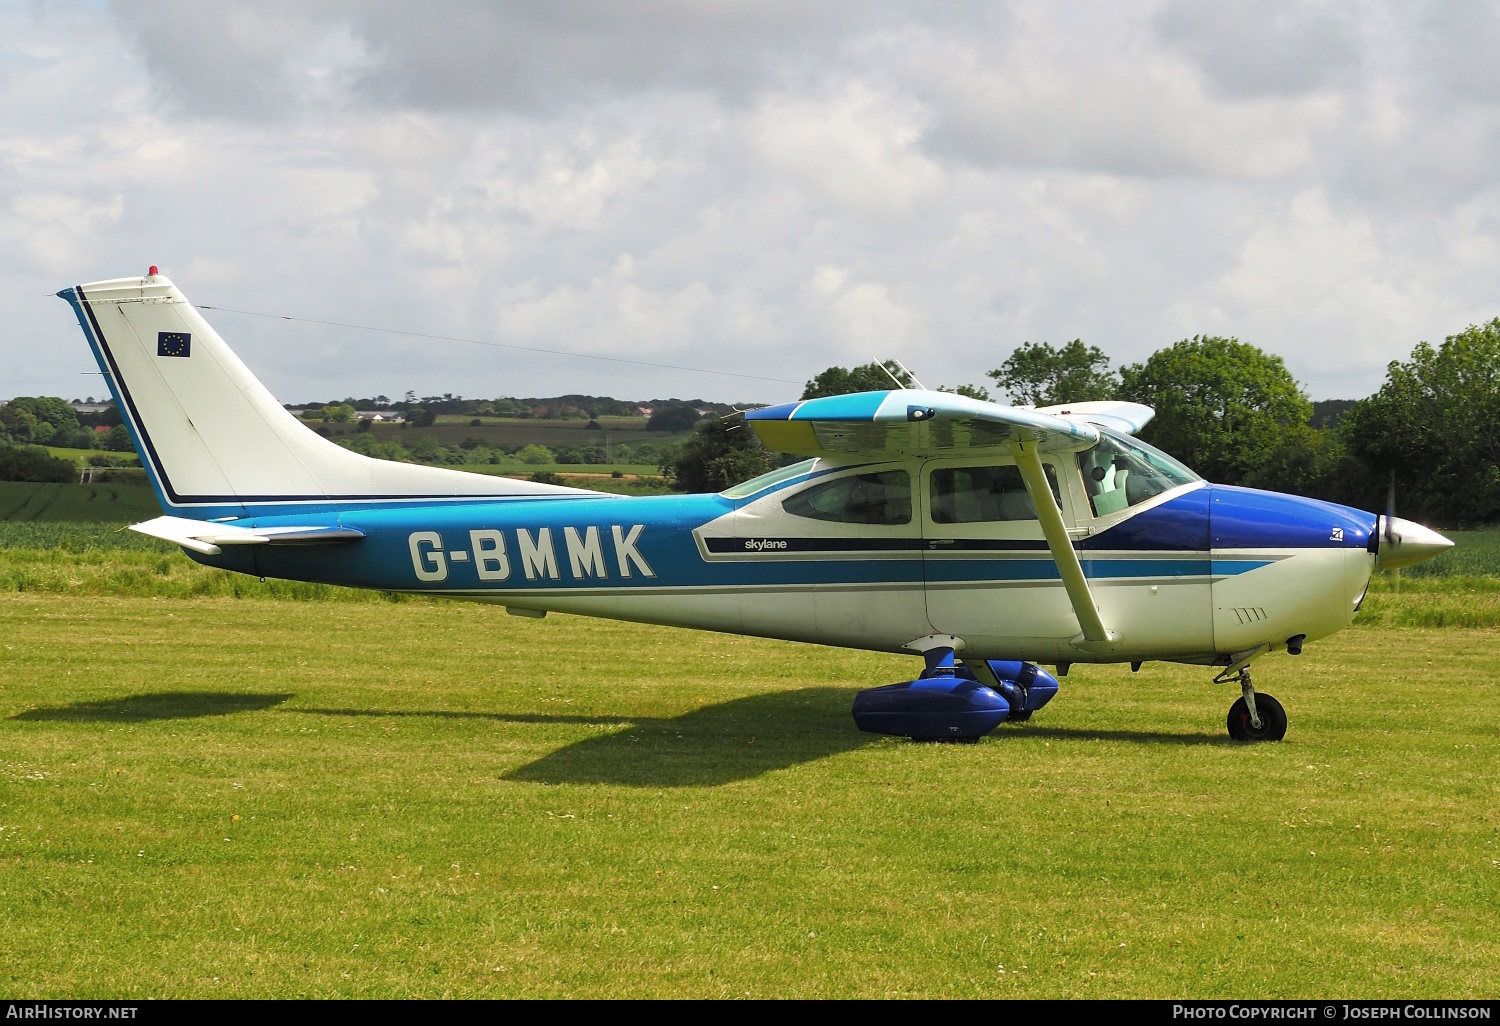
(91, 407)
(387, 417)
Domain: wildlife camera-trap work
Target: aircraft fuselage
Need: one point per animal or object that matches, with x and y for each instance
(1197, 573)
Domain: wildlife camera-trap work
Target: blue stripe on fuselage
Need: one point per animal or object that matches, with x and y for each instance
(388, 558)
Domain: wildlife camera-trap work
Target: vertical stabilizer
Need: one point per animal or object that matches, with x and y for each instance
(209, 433)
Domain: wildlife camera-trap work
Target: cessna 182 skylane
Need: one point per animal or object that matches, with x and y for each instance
(985, 538)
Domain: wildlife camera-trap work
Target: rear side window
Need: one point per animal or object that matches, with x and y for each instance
(979, 495)
(883, 498)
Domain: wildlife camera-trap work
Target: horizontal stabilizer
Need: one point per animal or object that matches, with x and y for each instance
(207, 537)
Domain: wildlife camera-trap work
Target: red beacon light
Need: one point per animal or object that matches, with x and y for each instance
(152, 272)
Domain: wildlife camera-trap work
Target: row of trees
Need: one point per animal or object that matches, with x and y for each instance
(48, 420)
(1235, 414)
(562, 407)
(474, 451)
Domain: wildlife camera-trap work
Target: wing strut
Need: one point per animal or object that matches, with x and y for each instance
(1095, 636)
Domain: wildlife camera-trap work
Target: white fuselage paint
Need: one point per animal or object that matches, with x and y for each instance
(1196, 618)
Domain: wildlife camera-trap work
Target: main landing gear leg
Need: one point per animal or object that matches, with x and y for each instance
(1255, 717)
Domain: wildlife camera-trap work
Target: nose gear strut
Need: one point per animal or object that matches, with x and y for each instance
(1247, 692)
(1255, 717)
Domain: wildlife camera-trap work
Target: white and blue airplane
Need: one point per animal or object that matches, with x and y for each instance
(987, 539)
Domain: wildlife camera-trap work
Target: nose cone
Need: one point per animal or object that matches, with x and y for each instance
(1402, 543)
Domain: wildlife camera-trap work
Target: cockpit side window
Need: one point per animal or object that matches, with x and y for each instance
(979, 495)
(1120, 472)
(881, 499)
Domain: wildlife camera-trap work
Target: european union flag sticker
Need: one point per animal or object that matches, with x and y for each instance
(174, 343)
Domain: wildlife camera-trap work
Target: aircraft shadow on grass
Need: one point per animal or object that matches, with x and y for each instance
(1145, 737)
(720, 744)
(706, 747)
(165, 705)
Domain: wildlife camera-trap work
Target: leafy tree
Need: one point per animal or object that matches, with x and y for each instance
(868, 377)
(1304, 460)
(721, 453)
(673, 417)
(366, 445)
(49, 409)
(18, 423)
(535, 454)
(340, 413)
(429, 450)
(667, 457)
(1433, 424)
(1040, 374)
(972, 391)
(118, 440)
(417, 416)
(33, 463)
(1222, 406)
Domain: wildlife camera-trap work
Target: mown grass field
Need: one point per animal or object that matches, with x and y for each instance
(216, 786)
(214, 797)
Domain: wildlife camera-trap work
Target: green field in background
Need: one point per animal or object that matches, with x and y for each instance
(81, 456)
(114, 502)
(1474, 554)
(209, 798)
(127, 502)
(494, 432)
(586, 469)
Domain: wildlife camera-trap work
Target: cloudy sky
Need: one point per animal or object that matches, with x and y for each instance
(763, 188)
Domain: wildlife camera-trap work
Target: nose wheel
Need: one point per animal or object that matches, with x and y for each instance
(1256, 717)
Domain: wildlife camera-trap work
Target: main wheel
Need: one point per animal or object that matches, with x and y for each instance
(1018, 716)
(1272, 719)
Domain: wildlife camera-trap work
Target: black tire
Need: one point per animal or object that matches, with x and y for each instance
(1272, 719)
(1020, 716)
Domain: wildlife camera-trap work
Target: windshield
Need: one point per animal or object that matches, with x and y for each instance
(745, 489)
(1120, 472)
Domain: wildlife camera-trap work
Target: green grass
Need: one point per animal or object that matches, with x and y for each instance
(112, 502)
(1475, 553)
(210, 798)
(80, 456)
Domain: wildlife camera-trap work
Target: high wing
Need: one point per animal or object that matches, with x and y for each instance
(1126, 418)
(913, 422)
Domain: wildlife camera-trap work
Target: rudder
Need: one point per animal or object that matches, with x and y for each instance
(211, 435)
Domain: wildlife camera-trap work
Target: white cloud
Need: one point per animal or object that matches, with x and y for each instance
(767, 188)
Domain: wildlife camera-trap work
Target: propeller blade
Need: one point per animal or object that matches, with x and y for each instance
(1390, 510)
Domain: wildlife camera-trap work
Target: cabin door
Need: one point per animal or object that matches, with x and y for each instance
(990, 576)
